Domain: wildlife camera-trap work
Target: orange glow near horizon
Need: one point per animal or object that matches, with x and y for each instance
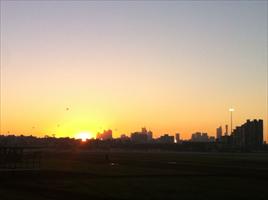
(84, 136)
(173, 69)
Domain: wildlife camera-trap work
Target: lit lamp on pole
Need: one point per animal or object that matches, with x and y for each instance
(231, 110)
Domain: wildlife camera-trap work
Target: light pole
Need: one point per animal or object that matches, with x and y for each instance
(231, 112)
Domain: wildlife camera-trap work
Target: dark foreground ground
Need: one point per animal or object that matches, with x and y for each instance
(132, 175)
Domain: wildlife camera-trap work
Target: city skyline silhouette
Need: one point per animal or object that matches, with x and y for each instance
(135, 99)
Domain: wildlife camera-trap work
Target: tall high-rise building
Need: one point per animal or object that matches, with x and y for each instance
(226, 130)
(177, 138)
(219, 133)
(150, 135)
(249, 134)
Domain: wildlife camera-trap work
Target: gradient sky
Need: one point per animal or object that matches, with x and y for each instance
(170, 66)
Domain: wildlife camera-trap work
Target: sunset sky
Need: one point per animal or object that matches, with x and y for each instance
(174, 66)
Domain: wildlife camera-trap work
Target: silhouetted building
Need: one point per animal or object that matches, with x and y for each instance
(150, 136)
(142, 137)
(211, 139)
(219, 133)
(148, 133)
(177, 137)
(199, 137)
(139, 137)
(226, 140)
(143, 130)
(249, 135)
(106, 135)
(165, 139)
(124, 137)
(226, 130)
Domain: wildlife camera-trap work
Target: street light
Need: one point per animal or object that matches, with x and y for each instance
(231, 110)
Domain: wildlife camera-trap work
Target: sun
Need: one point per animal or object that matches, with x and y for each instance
(84, 136)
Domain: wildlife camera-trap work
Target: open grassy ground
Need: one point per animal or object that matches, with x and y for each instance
(137, 175)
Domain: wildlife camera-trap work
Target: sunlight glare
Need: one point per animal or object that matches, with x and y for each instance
(84, 136)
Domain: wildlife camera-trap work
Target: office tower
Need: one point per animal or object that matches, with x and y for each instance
(226, 130)
(219, 133)
(177, 137)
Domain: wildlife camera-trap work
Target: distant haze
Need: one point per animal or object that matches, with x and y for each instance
(177, 66)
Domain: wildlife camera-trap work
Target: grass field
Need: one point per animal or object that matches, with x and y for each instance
(140, 175)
